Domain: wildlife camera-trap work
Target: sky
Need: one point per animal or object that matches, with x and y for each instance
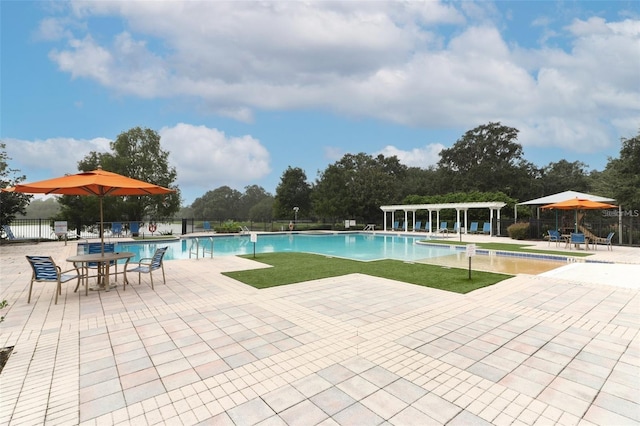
(240, 91)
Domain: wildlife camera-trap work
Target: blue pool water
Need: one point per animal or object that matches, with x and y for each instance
(364, 247)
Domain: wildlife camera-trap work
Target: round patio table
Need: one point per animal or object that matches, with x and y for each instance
(104, 261)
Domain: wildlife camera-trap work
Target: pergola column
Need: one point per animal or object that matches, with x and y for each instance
(491, 222)
(466, 221)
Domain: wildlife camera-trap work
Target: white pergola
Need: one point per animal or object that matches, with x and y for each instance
(493, 206)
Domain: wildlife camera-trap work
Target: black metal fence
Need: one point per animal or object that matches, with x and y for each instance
(45, 229)
(626, 227)
(599, 224)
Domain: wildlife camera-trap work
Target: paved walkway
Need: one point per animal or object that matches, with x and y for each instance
(562, 348)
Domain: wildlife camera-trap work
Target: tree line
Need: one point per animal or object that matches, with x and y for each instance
(485, 164)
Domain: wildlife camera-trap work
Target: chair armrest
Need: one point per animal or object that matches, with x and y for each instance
(75, 268)
(143, 261)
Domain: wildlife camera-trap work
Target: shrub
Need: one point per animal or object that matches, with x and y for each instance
(228, 227)
(518, 231)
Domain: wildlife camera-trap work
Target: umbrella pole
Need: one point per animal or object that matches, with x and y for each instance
(101, 228)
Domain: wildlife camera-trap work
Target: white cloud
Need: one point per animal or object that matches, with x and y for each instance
(385, 60)
(207, 158)
(127, 66)
(53, 29)
(204, 158)
(51, 157)
(416, 157)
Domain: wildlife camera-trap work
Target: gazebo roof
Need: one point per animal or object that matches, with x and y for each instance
(566, 195)
(442, 206)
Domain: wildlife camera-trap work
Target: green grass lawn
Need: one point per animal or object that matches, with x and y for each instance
(517, 247)
(289, 268)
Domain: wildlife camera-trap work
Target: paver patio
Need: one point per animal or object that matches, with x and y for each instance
(205, 349)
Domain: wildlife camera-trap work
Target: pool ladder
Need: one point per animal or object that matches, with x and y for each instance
(194, 249)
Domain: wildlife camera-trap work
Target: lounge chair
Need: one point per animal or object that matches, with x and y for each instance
(577, 238)
(116, 229)
(456, 227)
(95, 248)
(486, 228)
(206, 226)
(8, 233)
(443, 227)
(473, 229)
(607, 241)
(45, 270)
(427, 227)
(134, 227)
(417, 226)
(149, 264)
(554, 236)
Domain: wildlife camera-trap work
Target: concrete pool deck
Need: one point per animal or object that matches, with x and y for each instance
(557, 348)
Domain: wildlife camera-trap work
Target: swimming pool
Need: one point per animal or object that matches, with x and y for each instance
(363, 247)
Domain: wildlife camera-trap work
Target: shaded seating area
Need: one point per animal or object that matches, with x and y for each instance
(149, 264)
(435, 214)
(45, 270)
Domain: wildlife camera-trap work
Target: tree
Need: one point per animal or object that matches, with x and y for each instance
(138, 154)
(262, 211)
(43, 209)
(357, 185)
(623, 173)
(565, 176)
(11, 203)
(293, 191)
(485, 159)
(220, 204)
(252, 196)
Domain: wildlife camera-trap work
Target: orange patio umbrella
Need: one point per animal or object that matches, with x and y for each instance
(578, 204)
(99, 183)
